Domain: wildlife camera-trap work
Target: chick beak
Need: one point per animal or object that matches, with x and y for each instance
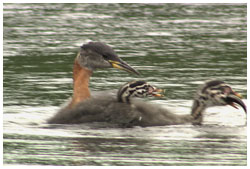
(120, 64)
(236, 98)
(153, 91)
(237, 94)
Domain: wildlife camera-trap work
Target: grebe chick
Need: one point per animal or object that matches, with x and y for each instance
(91, 56)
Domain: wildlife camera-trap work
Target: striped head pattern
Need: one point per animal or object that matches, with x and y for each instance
(137, 89)
(218, 93)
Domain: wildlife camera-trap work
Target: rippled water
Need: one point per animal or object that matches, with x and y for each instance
(175, 47)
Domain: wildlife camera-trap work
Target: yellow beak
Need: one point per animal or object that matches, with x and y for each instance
(123, 66)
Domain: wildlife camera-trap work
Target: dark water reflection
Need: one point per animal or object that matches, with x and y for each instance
(175, 47)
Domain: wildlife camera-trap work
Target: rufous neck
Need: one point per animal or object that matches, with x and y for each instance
(81, 78)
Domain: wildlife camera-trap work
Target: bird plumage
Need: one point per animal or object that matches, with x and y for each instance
(108, 108)
(120, 108)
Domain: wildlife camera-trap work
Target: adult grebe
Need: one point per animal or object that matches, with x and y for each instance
(126, 112)
(91, 56)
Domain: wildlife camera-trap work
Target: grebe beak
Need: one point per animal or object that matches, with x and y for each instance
(155, 92)
(235, 98)
(158, 93)
(123, 66)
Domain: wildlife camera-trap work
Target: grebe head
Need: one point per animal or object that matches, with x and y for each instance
(218, 93)
(95, 55)
(137, 89)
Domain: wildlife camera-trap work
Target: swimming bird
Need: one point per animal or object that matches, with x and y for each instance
(124, 111)
(92, 56)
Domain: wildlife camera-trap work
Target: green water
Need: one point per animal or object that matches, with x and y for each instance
(174, 46)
